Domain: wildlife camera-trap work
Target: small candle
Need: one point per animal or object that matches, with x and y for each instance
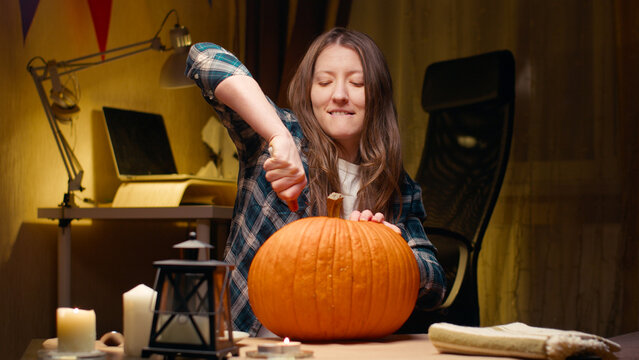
(76, 330)
(138, 315)
(283, 347)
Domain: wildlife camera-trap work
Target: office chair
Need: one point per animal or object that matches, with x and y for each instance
(471, 106)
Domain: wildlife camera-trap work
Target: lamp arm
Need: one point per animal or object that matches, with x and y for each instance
(73, 65)
(71, 163)
(74, 183)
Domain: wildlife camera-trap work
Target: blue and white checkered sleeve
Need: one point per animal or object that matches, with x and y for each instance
(432, 279)
(208, 64)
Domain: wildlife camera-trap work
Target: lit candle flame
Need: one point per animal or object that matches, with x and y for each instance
(286, 340)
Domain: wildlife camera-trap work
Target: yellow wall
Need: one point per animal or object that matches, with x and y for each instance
(109, 257)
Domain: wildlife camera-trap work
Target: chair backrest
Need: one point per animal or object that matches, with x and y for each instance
(471, 105)
(470, 102)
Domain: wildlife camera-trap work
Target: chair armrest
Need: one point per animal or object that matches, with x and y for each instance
(464, 247)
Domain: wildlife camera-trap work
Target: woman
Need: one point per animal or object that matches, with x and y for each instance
(341, 136)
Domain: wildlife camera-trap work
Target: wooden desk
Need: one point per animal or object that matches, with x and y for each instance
(405, 347)
(204, 215)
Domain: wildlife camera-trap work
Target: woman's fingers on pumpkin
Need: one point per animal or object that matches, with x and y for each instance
(378, 217)
(366, 215)
(393, 227)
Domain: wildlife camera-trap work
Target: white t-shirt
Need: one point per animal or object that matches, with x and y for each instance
(350, 183)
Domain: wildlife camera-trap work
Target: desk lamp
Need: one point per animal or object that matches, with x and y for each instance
(61, 104)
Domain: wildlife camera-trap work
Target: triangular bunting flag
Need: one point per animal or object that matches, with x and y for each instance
(101, 15)
(27, 10)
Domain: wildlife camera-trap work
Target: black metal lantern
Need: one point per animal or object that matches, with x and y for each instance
(192, 316)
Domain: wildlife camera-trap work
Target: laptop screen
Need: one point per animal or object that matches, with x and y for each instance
(139, 142)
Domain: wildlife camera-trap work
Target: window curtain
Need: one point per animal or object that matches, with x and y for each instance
(278, 32)
(627, 52)
(561, 247)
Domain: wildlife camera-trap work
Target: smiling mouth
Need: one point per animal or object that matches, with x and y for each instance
(340, 113)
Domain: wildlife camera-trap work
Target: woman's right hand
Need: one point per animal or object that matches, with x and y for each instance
(284, 170)
(368, 215)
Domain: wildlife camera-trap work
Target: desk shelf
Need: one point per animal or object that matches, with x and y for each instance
(158, 213)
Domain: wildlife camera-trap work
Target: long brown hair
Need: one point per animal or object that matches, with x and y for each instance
(379, 150)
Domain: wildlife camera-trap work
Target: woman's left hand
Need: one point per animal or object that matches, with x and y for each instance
(368, 215)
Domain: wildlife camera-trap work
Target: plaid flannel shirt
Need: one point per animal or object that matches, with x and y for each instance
(258, 212)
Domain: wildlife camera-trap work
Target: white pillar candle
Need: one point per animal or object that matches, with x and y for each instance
(137, 305)
(76, 330)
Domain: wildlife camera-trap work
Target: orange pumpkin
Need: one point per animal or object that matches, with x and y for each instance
(324, 278)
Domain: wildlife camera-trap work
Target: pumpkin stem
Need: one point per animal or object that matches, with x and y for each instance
(334, 204)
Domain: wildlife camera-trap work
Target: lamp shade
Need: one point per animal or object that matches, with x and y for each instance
(172, 74)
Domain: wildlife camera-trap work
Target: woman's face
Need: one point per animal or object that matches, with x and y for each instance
(338, 96)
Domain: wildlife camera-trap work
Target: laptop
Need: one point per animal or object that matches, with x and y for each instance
(140, 147)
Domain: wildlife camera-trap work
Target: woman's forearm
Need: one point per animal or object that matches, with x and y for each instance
(244, 95)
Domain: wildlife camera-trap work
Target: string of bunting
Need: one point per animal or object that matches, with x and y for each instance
(100, 14)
